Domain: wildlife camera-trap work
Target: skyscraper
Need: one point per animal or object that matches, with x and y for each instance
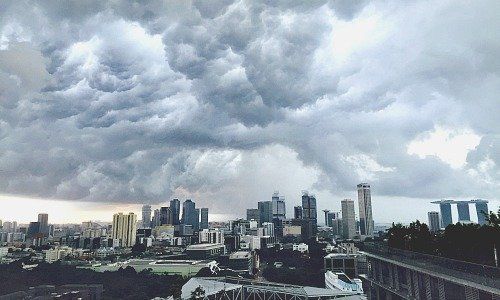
(265, 211)
(175, 210)
(253, 214)
(309, 215)
(43, 219)
(124, 229)
(156, 218)
(278, 203)
(146, 216)
(165, 216)
(190, 215)
(326, 211)
(204, 218)
(434, 223)
(445, 208)
(365, 210)
(463, 211)
(297, 212)
(348, 219)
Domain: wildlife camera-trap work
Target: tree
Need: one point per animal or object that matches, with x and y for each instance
(493, 219)
(198, 293)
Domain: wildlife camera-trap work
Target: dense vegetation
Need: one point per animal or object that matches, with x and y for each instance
(299, 269)
(122, 284)
(468, 242)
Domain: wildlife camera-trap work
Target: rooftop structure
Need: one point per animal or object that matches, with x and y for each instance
(232, 288)
(463, 210)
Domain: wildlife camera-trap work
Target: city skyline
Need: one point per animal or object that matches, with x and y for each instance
(64, 212)
(140, 105)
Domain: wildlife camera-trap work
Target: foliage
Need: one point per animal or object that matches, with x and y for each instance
(198, 293)
(298, 268)
(122, 284)
(467, 242)
(493, 219)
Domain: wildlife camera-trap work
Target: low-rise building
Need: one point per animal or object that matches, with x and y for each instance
(302, 248)
(339, 262)
(204, 251)
(241, 261)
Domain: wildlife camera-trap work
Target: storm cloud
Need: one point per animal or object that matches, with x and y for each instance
(122, 101)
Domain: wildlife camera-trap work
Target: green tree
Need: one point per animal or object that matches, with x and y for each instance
(198, 293)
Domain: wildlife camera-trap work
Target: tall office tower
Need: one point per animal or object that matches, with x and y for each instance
(7, 227)
(297, 212)
(124, 229)
(445, 210)
(156, 218)
(331, 216)
(165, 216)
(204, 218)
(146, 216)
(434, 224)
(348, 219)
(278, 203)
(309, 215)
(43, 219)
(365, 210)
(463, 211)
(253, 214)
(33, 229)
(175, 208)
(190, 215)
(326, 211)
(481, 210)
(14, 226)
(265, 211)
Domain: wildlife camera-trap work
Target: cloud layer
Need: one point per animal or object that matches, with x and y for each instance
(135, 102)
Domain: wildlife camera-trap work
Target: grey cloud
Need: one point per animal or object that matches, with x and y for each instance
(128, 102)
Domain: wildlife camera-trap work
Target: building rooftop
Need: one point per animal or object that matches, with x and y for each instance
(204, 246)
(304, 291)
(482, 277)
(240, 255)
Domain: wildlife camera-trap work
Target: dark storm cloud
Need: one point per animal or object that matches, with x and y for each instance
(134, 101)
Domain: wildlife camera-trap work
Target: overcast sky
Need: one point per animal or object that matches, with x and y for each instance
(106, 105)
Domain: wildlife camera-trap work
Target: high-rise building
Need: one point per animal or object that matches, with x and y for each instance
(211, 236)
(434, 222)
(481, 210)
(309, 215)
(204, 218)
(33, 229)
(365, 210)
(190, 215)
(326, 211)
(278, 203)
(348, 219)
(124, 229)
(331, 216)
(146, 216)
(297, 212)
(268, 229)
(43, 219)
(165, 216)
(175, 209)
(463, 211)
(445, 209)
(156, 218)
(253, 214)
(265, 211)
